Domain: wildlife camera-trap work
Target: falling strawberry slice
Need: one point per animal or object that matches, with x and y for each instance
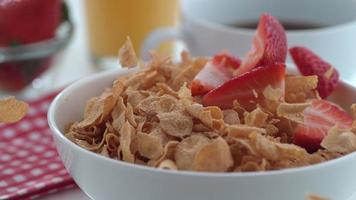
(215, 72)
(309, 63)
(248, 88)
(269, 45)
(318, 119)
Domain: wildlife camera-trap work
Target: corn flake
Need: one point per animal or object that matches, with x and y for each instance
(168, 165)
(213, 157)
(199, 127)
(251, 163)
(187, 149)
(149, 146)
(242, 130)
(112, 141)
(12, 110)
(168, 153)
(256, 118)
(118, 87)
(184, 92)
(104, 151)
(155, 105)
(130, 115)
(176, 123)
(127, 55)
(231, 117)
(211, 116)
(87, 142)
(188, 73)
(299, 88)
(273, 94)
(127, 134)
(293, 112)
(134, 97)
(166, 89)
(98, 109)
(341, 141)
(274, 151)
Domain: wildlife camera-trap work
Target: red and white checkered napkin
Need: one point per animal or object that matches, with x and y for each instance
(29, 164)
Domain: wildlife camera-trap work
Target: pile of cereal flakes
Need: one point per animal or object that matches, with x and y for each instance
(151, 118)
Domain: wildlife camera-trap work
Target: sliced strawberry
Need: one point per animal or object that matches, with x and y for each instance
(215, 72)
(309, 63)
(248, 88)
(318, 119)
(227, 60)
(269, 45)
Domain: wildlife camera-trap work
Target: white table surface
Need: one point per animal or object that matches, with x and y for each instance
(75, 64)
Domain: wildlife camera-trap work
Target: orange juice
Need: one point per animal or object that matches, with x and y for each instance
(111, 21)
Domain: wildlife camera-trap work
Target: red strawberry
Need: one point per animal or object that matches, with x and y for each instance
(27, 21)
(248, 88)
(228, 60)
(215, 72)
(318, 119)
(269, 45)
(309, 63)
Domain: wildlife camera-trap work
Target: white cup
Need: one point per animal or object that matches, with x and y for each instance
(206, 29)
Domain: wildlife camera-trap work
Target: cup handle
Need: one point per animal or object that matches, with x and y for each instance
(158, 36)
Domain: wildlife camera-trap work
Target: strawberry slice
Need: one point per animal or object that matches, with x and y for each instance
(227, 60)
(269, 45)
(218, 70)
(309, 63)
(248, 88)
(318, 119)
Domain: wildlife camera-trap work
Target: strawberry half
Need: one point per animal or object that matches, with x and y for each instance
(218, 70)
(318, 119)
(269, 45)
(309, 63)
(248, 88)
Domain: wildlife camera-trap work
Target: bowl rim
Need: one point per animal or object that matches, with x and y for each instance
(55, 131)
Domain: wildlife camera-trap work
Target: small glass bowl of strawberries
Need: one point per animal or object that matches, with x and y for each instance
(32, 34)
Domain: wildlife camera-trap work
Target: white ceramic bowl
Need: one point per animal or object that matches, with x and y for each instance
(105, 179)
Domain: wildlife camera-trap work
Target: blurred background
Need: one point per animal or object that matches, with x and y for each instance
(47, 44)
(59, 42)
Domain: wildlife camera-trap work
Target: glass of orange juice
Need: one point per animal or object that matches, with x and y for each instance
(111, 21)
